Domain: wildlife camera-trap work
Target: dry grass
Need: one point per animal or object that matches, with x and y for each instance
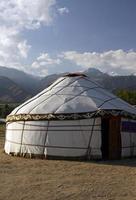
(28, 179)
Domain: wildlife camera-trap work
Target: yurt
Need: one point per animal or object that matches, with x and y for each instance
(73, 118)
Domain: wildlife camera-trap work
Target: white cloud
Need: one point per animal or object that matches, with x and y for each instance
(26, 13)
(117, 61)
(23, 48)
(63, 10)
(43, 63)
(45, 59)
(19, 15)
(10, 54)
(35, 65)
(15, 17)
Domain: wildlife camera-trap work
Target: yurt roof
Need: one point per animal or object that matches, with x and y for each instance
(73, 94)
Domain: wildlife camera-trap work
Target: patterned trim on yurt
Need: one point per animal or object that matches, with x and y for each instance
(74, 116)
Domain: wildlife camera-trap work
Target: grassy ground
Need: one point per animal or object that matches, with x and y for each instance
(26, 179)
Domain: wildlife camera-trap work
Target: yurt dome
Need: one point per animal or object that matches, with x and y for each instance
(73, 117)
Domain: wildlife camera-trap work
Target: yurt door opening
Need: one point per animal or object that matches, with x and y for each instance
(111, 138)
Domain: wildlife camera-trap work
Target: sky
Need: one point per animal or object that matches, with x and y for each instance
(43, 37)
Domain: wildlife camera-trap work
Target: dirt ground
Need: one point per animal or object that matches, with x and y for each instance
(31, 179)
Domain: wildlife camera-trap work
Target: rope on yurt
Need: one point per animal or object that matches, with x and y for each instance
(104, 92)
(22, 137)
(37, 96)
(6, 132)
(45, 137)
(89, 148)
(131, 142)
(53, 94)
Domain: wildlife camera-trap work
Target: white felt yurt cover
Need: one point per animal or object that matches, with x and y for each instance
(72, 94)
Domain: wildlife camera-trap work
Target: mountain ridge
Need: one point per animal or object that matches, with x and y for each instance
(11, 92)
(26, 81)
(19, 86)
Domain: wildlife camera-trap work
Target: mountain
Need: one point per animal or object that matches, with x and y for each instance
(114, 83)
(11, 92)
(17, 86)
(26, 81)
(95, 73)
(48, 80)
(111, 83)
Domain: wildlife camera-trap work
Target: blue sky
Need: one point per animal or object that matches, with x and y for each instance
(52, 36)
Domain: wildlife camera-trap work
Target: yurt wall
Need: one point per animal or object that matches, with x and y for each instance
(128, 135)
(66, 138)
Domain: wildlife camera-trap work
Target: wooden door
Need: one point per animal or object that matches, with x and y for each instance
(114, 138)
(105, 138)
(111, 138)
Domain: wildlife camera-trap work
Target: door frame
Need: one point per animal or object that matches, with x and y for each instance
(111, 137)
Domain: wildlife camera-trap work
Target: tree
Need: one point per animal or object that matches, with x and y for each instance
(129, 96)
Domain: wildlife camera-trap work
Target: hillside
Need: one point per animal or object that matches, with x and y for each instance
(112, 83)
(16, 86)
(26, 81)
(11, 92)
(48, 80)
